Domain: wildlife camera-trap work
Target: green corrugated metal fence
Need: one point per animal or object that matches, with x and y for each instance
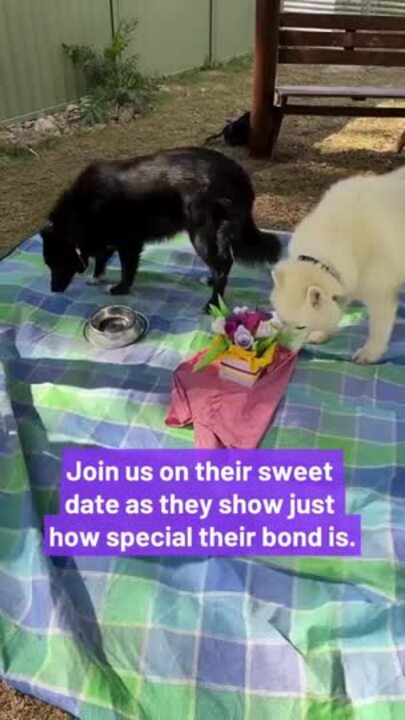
(232, 28)
(34, 74)
(172, 35)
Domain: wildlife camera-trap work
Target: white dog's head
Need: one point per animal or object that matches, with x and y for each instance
(306, 296)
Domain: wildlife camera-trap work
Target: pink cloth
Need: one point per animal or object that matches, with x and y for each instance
(223, 413)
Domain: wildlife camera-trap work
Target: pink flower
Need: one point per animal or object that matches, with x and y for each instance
(248, 319)
(231, 326)
(251, 320)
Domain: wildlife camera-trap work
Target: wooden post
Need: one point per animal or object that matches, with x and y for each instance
(264, 76)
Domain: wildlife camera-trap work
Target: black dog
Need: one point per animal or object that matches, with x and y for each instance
(235, 133)
(118, 206)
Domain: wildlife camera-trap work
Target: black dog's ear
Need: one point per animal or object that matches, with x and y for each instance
(47, 229)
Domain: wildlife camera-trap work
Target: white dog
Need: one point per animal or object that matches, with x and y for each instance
(350, 247)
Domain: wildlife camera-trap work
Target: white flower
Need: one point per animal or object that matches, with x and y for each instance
(218, 326)
(240, 310)
(265, 329)
(276, 322)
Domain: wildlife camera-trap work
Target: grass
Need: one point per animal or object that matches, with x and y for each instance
(312, 153)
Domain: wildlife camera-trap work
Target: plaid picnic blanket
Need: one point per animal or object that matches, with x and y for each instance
(211, 639)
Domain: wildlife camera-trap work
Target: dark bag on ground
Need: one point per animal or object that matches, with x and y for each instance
(236, 132)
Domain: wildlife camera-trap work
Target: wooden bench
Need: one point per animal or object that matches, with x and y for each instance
(319, 39)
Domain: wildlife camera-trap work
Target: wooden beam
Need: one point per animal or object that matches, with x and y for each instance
(341, 91)
(344, 111)
(264, 76)
(334, 21)
(326, 56)
(339, 39)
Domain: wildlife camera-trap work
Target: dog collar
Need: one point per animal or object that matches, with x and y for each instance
(327, 268)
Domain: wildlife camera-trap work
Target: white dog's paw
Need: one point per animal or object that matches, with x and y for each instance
(318, 337)
(367, 355)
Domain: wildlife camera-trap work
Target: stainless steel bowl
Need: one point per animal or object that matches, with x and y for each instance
(115, 326)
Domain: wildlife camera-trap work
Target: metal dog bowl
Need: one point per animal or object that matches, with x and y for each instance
(115, 326)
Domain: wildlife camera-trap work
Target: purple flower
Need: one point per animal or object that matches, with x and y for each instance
(235, 317)
(243, 337)
(248, 319)
(231, 325)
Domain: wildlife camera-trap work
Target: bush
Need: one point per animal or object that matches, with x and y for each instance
(112, 80)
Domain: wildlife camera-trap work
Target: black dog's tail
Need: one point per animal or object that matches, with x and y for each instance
(256, 246)
(211, 138)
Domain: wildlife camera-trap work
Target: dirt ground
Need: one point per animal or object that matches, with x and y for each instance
(312, 154)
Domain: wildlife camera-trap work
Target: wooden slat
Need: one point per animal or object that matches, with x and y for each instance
(362, 91)
(311, 38)
(336, 21)
(344, 111)
(331, 38)
(377, 40)
(315, 56)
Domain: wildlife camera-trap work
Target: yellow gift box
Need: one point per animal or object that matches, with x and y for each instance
(240, 365)
(254, 363)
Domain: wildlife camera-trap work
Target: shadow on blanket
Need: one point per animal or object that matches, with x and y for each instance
(70, 596)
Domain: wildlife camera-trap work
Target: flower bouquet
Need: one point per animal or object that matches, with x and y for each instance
(244, 345)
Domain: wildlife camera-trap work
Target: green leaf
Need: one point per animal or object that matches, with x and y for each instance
(222, 306)
(211, 355)
(215, 311)
(264, 344)
(292, 339)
